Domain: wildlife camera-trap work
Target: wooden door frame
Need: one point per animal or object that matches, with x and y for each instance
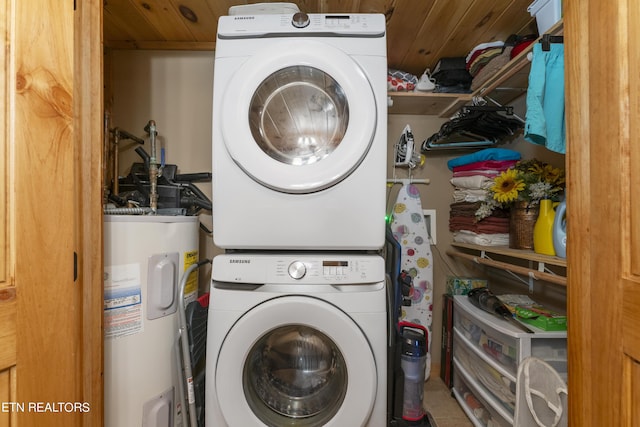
(56, 254)
(598, 46)
(88, 140)
(577, 159)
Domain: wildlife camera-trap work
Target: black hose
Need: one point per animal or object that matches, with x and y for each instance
(193, 177)
(145, 157)
(195, 201)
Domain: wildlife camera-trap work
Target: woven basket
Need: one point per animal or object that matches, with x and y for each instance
(521, 222)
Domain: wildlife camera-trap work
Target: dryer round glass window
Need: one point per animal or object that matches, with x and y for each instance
(299, 115)
(295, 375)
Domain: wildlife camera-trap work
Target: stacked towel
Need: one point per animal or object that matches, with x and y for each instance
(473, 175)
(481, 55)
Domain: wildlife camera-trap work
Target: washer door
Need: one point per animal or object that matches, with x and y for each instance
(295, 361)
(299, 116)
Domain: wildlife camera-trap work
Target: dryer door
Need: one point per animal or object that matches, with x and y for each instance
(299, 117)
(295, 361)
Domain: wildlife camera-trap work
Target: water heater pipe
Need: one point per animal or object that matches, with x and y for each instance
(118, 135)
(153, 168)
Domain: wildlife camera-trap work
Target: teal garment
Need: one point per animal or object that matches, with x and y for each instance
(545, 118)
(482, 155)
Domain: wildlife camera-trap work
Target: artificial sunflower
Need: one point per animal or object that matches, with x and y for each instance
(529, 181)
(507, 186)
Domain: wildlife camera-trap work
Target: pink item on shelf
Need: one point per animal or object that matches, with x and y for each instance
(488, 173)
(500, 165)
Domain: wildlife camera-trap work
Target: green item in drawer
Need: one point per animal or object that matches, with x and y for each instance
(462, 285)
(542, 318)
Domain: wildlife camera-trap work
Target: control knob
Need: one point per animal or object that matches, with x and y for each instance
(297, 270)
(300, 20)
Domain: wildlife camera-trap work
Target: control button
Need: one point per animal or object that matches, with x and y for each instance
(297, 270)
(300, 20)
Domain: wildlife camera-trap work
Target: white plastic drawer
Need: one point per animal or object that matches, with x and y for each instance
(475, 406)
(500, 385)
(553, 351)
(500, 347)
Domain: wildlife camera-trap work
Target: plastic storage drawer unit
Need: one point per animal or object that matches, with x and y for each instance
(487, 351)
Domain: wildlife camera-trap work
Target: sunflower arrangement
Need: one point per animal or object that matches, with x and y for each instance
(529, 181)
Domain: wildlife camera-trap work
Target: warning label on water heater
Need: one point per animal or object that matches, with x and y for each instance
(122, 300)
(191, 286)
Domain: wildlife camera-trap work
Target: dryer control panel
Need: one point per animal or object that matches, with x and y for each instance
(304, 268)
(301, 24)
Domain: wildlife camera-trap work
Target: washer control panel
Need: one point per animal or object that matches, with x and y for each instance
(290, 268)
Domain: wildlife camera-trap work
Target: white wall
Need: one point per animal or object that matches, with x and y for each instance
(174, 88)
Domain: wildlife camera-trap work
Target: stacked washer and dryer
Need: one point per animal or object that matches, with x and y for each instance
(297, 329)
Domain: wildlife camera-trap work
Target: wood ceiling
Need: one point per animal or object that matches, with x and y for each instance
(419, 32)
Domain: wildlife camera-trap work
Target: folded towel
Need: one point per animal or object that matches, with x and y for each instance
(474, 182)
(486, 154)
(468, 195)
(499, 239)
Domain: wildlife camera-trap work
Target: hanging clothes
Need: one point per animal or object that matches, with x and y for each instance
(545, 118)
(474, 127)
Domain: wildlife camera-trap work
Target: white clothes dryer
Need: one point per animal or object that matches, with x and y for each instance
(297, 341)
(300, 132)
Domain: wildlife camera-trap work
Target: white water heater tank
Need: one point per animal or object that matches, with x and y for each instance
(144, 259)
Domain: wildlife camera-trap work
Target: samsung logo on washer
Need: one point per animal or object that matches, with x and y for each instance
(243, 18)
(239, 261)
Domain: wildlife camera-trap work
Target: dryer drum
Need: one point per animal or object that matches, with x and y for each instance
(295, 375)
(299, 115)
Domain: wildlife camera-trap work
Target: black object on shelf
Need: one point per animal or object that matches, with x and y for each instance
(475, 127)
(547, 39)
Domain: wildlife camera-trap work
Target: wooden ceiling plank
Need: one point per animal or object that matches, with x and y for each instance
(221, 7)
(375, 6)
(338, 6)
(164, 19)
(433, 34)
(160, 45)
(206, 25)
(125, 23)
(471, 29)
(308, 6)
(418, 33)
(403, 25)
(514, 20)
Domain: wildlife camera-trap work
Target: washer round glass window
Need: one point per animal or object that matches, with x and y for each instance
(296, 376)
(299, 115)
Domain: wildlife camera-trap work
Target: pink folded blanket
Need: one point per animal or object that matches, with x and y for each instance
(500, 165)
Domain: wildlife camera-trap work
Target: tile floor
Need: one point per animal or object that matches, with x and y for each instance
(443, 407)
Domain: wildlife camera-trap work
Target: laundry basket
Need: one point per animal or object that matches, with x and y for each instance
(541, 396)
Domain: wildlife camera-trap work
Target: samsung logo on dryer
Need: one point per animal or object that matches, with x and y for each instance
(243, 18)
(239, 261)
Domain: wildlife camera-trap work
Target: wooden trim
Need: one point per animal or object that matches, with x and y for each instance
(159, 45)
(537, 275)
(579, 341)
(5, 108)
(88, 141)
(7, 328)
(528, 255)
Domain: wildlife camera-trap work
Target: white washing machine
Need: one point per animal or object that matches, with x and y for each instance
(300, 132)
(297, 341)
